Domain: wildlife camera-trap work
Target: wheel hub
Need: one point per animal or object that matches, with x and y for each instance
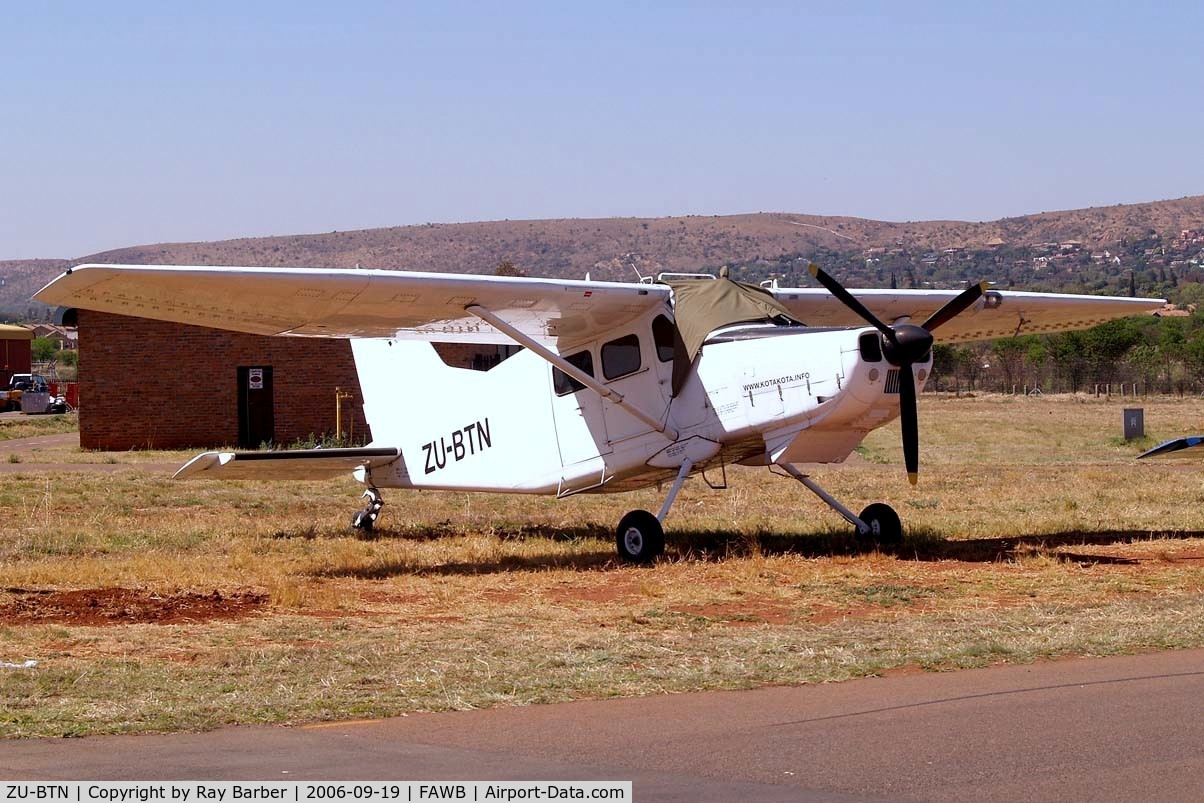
(633, 539)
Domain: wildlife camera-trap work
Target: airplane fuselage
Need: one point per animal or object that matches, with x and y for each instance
(757, 394)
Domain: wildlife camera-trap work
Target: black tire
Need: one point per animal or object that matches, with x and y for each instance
(885, 528)
(639, 537)
(362, 522)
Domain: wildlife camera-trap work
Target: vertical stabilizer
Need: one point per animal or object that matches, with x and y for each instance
(458, 428)
(404, 383)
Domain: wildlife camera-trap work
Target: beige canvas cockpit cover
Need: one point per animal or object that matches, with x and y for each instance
(700, 306)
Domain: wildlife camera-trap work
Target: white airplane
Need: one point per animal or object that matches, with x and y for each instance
(618, 386)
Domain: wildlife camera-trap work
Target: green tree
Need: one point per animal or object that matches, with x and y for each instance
(1145, 360)
(1066, 352)
(1009, 354)
(1106, 345)
(43, 349)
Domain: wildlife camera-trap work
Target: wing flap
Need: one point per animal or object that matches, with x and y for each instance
(298, 464)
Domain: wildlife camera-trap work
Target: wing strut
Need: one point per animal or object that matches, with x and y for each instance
(572, 370)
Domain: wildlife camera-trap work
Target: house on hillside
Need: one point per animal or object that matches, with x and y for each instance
(65, 337)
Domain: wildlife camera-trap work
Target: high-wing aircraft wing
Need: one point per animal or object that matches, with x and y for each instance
(558, 312)
(356, 303)
(298, 464)
(1180, 448)
(1000, 313)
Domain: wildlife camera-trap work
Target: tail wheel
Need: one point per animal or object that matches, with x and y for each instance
(640, 537)
(885, 527)
(363, 521)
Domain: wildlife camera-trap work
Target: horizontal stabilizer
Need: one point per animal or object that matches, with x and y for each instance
(295, 464)
(1183, 448)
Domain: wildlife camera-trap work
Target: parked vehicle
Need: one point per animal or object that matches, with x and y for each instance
(18, 386)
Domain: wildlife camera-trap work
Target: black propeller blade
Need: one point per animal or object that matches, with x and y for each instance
(847, 298)
(956, 307)
(909, 421)
(904, 345)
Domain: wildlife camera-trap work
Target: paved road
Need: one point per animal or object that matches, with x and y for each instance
(1102, 729)
(68, 440)
(43, 453)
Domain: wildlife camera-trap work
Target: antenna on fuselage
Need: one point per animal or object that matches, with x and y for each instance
(631, 261)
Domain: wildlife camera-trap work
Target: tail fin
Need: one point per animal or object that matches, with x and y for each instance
(406, 385)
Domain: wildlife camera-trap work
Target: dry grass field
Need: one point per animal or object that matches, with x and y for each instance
(153, 605)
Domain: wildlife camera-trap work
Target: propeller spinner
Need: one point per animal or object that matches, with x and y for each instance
(903, 345)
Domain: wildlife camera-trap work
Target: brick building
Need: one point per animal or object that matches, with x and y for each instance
(154, 385)
(15, 353)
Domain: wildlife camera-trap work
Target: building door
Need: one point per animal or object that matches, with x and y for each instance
(256, 417)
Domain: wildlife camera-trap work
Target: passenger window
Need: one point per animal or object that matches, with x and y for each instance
(565, 384)
(663, 335)
(621, 357)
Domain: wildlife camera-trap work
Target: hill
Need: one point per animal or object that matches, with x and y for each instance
(19, 280)
(764, 243)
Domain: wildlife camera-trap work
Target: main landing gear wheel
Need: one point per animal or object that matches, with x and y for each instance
(885, 528)
(640, 537)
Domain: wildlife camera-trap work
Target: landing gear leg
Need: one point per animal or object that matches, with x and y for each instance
(640, 537)
(878, 524)
(364, 520)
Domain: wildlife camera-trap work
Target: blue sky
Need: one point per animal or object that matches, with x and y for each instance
(127, 122)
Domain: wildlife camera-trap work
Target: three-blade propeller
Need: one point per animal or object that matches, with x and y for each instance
(903, 345)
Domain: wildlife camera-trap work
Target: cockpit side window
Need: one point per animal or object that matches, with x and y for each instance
(663, 332)
(565, 384)
(621, 357)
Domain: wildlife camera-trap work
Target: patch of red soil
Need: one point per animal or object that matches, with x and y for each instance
(1182, 556)
(609, 592)
(826, 614)
(98, 607)
(391, 598)
(567, 594)
(502, 595)
(745, 612)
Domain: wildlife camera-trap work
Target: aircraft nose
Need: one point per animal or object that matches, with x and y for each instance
(911, 345)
